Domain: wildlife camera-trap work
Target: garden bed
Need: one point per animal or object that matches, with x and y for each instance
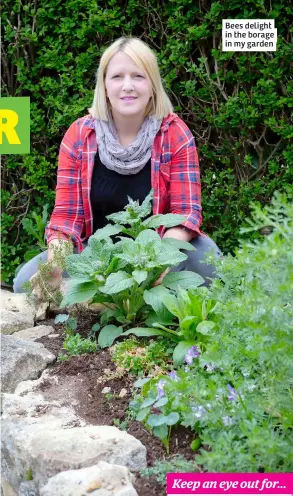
(99, 408)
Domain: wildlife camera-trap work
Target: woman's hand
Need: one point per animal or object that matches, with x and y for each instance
(46, 282)
(175, 233)
(160, 279)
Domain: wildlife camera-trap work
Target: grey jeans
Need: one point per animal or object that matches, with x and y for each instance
(195, 262)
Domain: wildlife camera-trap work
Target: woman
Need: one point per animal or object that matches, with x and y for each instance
(130, 142)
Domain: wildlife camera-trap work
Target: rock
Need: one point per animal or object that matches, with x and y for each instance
(18, 312)
(6, 489)
(26, 387)
(39, 445)
(53, 336)
(42, 310)
(27, 488)
(33, 333)
(93, 480)
(21, 360)
(123, 393)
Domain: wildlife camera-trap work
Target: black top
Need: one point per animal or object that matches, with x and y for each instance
(110, 189)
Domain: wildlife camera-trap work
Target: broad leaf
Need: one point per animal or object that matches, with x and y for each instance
(61, 317)
(161, 432)
(169, 257)
(148, 402)
(205, 327)
(188, 323)
(156, 420)
(153, 297)
(139, 275)
(178, 243)
(161, 402)
(144, 331)
(78, 268)
(185, 279)
(167, 220)
(141, 382)
(148, 236)
(78, 292)
(181, 350)
(105, 232)
(172, 418)
(142, 414)
(117, 282)
(108, 335)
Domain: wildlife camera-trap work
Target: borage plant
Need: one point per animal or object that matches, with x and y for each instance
(117, 273)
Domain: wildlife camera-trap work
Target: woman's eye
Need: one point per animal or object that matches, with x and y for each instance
(139, 75)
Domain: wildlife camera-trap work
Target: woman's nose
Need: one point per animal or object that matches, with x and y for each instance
(127, 84)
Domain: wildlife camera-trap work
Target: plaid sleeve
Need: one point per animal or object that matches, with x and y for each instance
(185, 188)
(67, 219)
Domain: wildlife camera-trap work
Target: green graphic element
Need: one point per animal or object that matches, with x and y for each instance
(15, 125)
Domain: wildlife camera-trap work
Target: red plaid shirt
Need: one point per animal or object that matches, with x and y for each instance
(174, 176)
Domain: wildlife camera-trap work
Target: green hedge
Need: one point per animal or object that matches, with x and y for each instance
(238, 105)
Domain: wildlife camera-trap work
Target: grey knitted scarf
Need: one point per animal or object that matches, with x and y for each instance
(132, 158)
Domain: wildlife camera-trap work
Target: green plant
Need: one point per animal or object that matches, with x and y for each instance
(76, 345)
(142, 357)
(193, 308)
(35, 225)
(237, 394)
(117, 274)
(175, 464)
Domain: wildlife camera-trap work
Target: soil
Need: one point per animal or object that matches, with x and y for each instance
(85, 376)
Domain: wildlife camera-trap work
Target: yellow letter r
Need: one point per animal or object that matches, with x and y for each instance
(8, 127)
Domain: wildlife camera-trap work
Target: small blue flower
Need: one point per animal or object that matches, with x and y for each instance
(227, 420)
(198, 411)
(173, 375)
(233, 394)
(192, 353)
(160, 388)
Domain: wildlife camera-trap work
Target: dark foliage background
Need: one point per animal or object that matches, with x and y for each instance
(238, 105)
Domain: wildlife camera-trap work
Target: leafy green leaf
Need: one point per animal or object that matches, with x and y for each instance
(117, 282)
(172, 418)
(167, 220)
(79, 292)
(144, 331)
(181, 350)
(148, 402)
(205, 327)
(161, 431)
(153, 297)
(141, 382)
(108, 335)
(61, 317)
(178, 243)
(105, 232)
(139, 275)
(142, 414)
(185, 279)
(156, 420)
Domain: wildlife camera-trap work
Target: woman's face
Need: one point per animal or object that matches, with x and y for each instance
(127, 86)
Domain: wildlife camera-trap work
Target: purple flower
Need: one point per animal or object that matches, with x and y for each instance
(160, 389)
(173, 375)
(227, 420)
(192, 353)
(233, 394)
(198, 411)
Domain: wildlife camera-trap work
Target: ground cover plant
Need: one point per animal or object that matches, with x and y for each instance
(236, 394)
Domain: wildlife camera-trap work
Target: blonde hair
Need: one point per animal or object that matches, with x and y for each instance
(141, 54)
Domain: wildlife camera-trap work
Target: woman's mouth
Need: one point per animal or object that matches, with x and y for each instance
(129, 98)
